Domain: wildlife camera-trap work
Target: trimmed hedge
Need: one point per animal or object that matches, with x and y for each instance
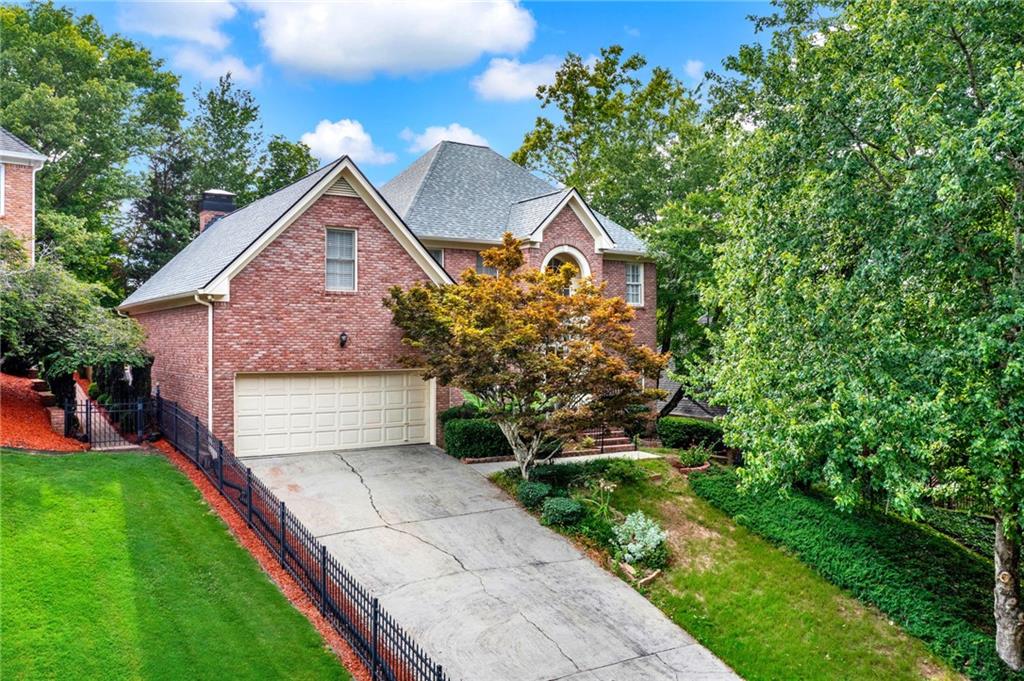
(684, 432)
(459, 411)
(475, 439)
(933, 588)
(531, 494)
(561, 511)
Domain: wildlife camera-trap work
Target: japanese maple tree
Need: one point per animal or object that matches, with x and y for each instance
(549, 356)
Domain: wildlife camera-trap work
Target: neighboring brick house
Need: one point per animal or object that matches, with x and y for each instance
(18, 166)
(270, 325)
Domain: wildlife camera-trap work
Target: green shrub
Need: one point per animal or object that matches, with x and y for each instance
(933, 588)
(973, 531)
(695, 456)
(466, 410)
(94, 390)
(475, 438)
(637, 540)
(561, 511)
(531, 494)
(620, 470)
(684, 432)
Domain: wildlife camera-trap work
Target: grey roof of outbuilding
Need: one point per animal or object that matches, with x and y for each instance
(466, 191)
(199, 263)
(10, 143)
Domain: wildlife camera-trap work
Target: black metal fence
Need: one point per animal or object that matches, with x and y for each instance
(383, 646)
(120, 425)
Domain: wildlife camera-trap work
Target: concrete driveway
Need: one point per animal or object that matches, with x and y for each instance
(485, 589)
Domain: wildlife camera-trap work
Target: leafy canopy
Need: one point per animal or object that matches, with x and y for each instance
(545, 364)
(50, 318)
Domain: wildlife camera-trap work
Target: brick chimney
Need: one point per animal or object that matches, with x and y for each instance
(214, 204)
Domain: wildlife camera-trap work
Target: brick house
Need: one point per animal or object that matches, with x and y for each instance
(19, 164)
(270, 324)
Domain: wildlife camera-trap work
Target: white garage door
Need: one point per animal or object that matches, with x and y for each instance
(289, 413)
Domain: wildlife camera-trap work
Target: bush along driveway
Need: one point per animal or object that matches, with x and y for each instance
(114, 567)
(759, 609)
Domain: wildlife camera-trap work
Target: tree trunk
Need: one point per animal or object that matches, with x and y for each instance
(672, 403)
(1009, 611)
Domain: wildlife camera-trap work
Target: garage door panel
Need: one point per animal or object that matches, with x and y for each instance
(291, 413)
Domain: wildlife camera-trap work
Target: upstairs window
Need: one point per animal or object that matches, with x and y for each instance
(341, 260)
(481, 268)
(437, 254)
(635, 283)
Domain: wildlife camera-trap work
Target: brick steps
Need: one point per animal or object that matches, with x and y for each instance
(48, 399)
(39, 385)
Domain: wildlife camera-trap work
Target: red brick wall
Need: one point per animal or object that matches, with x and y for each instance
(177, 340)
(458, 260)
(17, 216)
(645, 323)
(280, 317)
(567, 230)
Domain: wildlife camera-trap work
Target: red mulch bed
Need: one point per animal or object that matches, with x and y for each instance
(24, 422)
(267, 560)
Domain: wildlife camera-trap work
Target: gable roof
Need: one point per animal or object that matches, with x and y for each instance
(208, 262)
(469, 192)
(13, 150)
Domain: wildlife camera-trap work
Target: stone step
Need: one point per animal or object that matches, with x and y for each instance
(48, 399)
(32, 373)
(39, 385)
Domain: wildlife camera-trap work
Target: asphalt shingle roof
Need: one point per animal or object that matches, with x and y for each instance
(455, 190)
(10, 143)
(465, 191)
(199, 263)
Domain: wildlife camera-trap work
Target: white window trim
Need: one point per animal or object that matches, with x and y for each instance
(479, 266)
(577, 255)
(639, 265)
(3, 190)
(440, 261)
(355, 260)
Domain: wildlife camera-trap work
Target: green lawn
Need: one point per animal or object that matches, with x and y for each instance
(759, 609)
(114, 567)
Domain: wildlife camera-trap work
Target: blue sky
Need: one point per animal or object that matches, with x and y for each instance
(382, 81)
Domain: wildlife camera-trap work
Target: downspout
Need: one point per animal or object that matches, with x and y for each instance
(209, 360)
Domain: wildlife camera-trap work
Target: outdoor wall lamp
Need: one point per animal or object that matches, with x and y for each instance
(343, 339)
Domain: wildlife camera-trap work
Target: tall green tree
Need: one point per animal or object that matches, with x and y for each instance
(612, 134)
(872, 273)
(91, 102)
(226, 137)
(637, 149)
(163, 220)
(282, 163)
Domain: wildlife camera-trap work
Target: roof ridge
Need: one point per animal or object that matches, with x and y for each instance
(426, 176)
(541, 196)
(465, 144)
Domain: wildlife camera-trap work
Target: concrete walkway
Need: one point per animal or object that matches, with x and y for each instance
(486, 590)
(486, 468)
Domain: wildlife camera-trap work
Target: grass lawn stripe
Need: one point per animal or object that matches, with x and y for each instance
(112, 566)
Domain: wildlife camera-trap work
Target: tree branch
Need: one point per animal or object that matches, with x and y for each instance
(979, 102)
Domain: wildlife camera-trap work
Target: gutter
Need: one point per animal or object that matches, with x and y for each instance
(209, 360)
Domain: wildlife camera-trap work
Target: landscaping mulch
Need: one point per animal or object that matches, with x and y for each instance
(267, 560)
(24, 422)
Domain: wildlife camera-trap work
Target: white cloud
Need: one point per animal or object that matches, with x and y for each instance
(345, 137)
(210, 66)
(437, 133)
(631, 31)
(510, 80)
(694, 68)
(195, 22)
(352, 41)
